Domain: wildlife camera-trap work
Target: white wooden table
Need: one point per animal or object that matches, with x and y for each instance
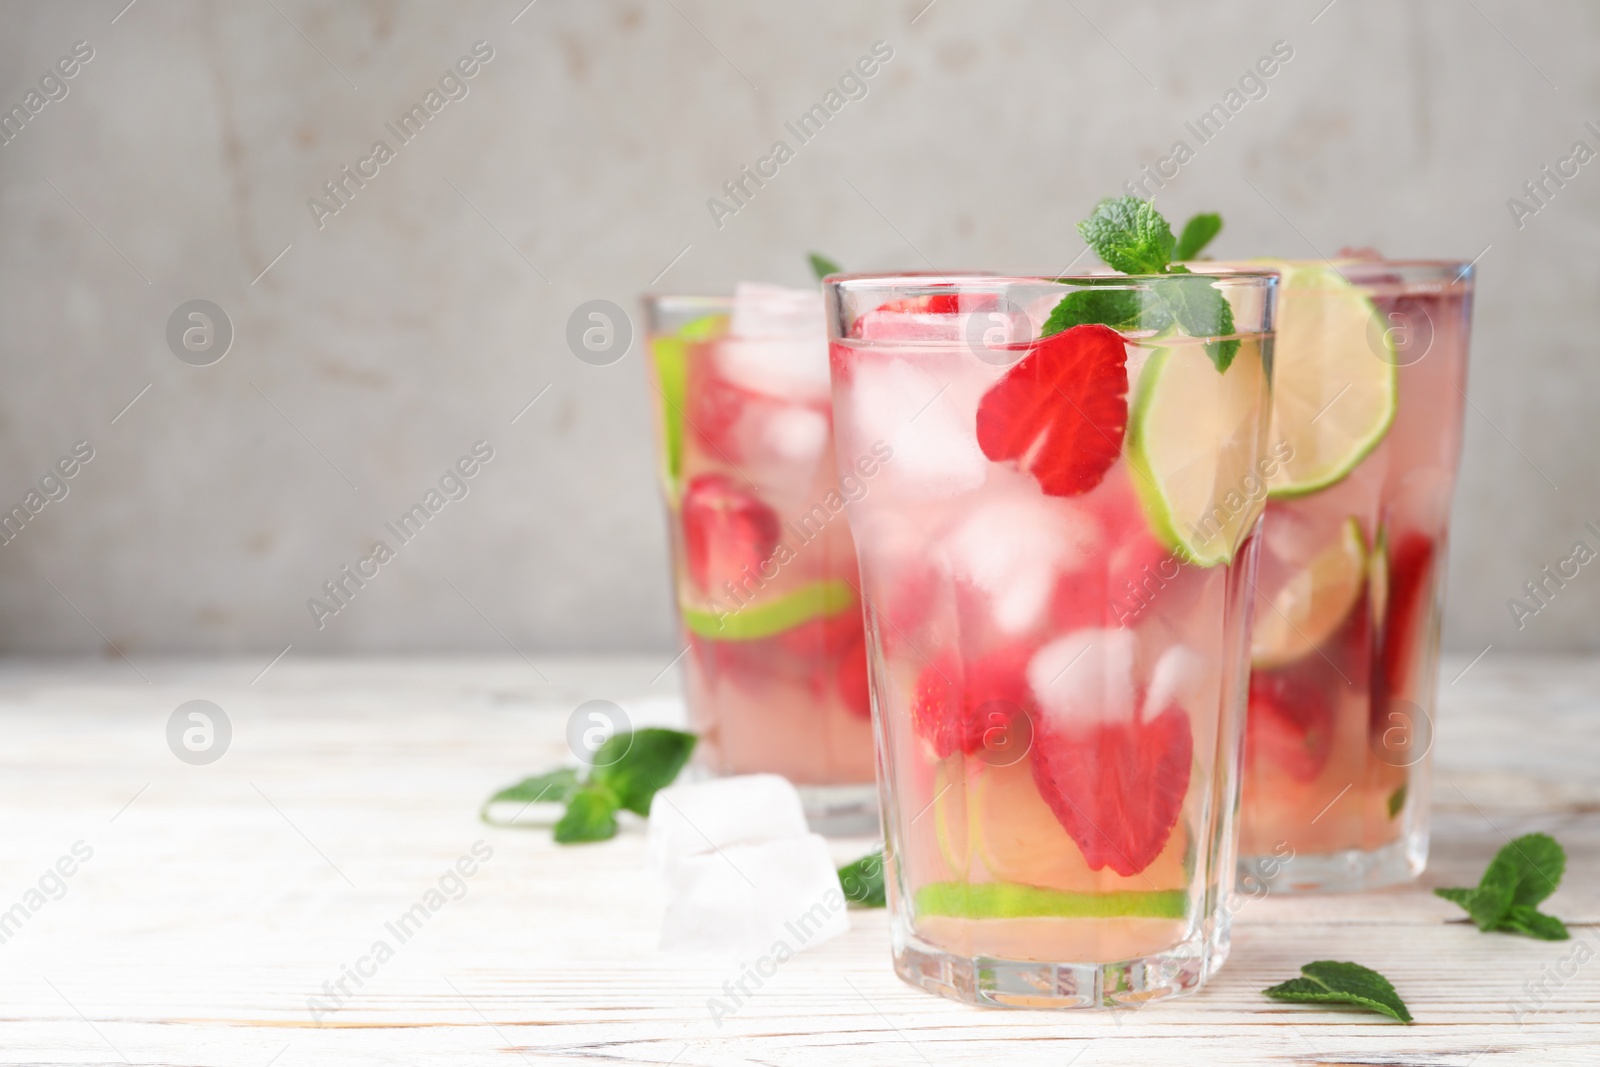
(218, 899)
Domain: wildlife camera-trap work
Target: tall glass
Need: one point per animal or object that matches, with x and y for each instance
(1371, 379)
(764, 567)
(1058, 659)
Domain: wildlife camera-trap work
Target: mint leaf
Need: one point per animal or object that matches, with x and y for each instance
(863, 881)
(1535, 863)
(1492, 899)
(1120, 309)
(633, 766)
(556, 787)
(1197, 233)
(822, 266)
(1129, 235)
(1329, 981)
(1202, 311)
(1397, 800)
(1530, 921)
(591, 816)
(1523, 873)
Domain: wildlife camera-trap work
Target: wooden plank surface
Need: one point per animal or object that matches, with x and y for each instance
(219, 899)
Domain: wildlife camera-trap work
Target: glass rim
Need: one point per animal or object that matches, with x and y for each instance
(687, 300)
(870, 282)
(1378, 273)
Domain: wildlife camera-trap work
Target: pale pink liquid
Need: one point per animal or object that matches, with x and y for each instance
(1336, 752)
(793, 703)
(965, 562)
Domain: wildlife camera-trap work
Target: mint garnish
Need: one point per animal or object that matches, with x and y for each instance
(1332, 982)
(630, 768)
(1523, 873)
(863, 881)
(822, 266)
(1131, 236)
(1197, 233)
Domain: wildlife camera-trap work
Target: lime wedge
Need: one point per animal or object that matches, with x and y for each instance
(1305, 611)
(671, 356)
(1010, 900)
(773, 616)
(1334, 378)
(1194, 441)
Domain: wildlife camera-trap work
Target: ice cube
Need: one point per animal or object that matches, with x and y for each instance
(880, 325)
(777, 342)
(687, 820)
(1085, 678)
(797, 434)
(931, 426)
(774, 898)
(1179, 679)
(1014, 545)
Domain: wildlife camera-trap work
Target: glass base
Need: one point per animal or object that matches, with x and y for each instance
(1351, 871)
(842, 810)
(999, 983)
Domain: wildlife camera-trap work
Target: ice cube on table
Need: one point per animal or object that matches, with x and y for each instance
(1085, 678)
(1014, 547)
(698, 817)
(930, 424)
(748, 899)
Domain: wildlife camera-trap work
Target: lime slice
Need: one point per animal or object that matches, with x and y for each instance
(773, 616)
(1194, 440)
(1334, 378)
(1010, 900)
(1305, 611)
(671, 356)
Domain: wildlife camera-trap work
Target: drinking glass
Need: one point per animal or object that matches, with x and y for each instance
(1370, 387)
(764, 567)
(1056, 632)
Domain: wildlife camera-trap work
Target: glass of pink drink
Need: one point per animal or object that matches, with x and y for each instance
(1057, 667)
(765, 570)
(1346, 641)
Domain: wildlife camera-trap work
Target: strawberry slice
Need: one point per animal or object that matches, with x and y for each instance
(1290, 726)
(961, 710)
(1410, 582)
(1061, 410)
(1116, 787)
(726, 529)
(851, 679)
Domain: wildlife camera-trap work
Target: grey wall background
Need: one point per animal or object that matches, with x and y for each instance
(428, 312)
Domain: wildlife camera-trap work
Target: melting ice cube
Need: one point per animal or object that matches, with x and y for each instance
(699, 817)
(775, 898)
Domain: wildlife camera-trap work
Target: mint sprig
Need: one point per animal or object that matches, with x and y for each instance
(1333, 982)
(822, 266)
(1131, 236)
(1521, 875)
(629, 769)
(863, 881)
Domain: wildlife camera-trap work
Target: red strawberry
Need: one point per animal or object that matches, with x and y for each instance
(1410, 582)
(961, 710)
(1116, 787)
(1061, 410)
(725, 530)
(851, 677)
(1290, 724)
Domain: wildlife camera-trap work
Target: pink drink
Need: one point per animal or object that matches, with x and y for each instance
(1057, 694)
(765, 571)
(1336, 767)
